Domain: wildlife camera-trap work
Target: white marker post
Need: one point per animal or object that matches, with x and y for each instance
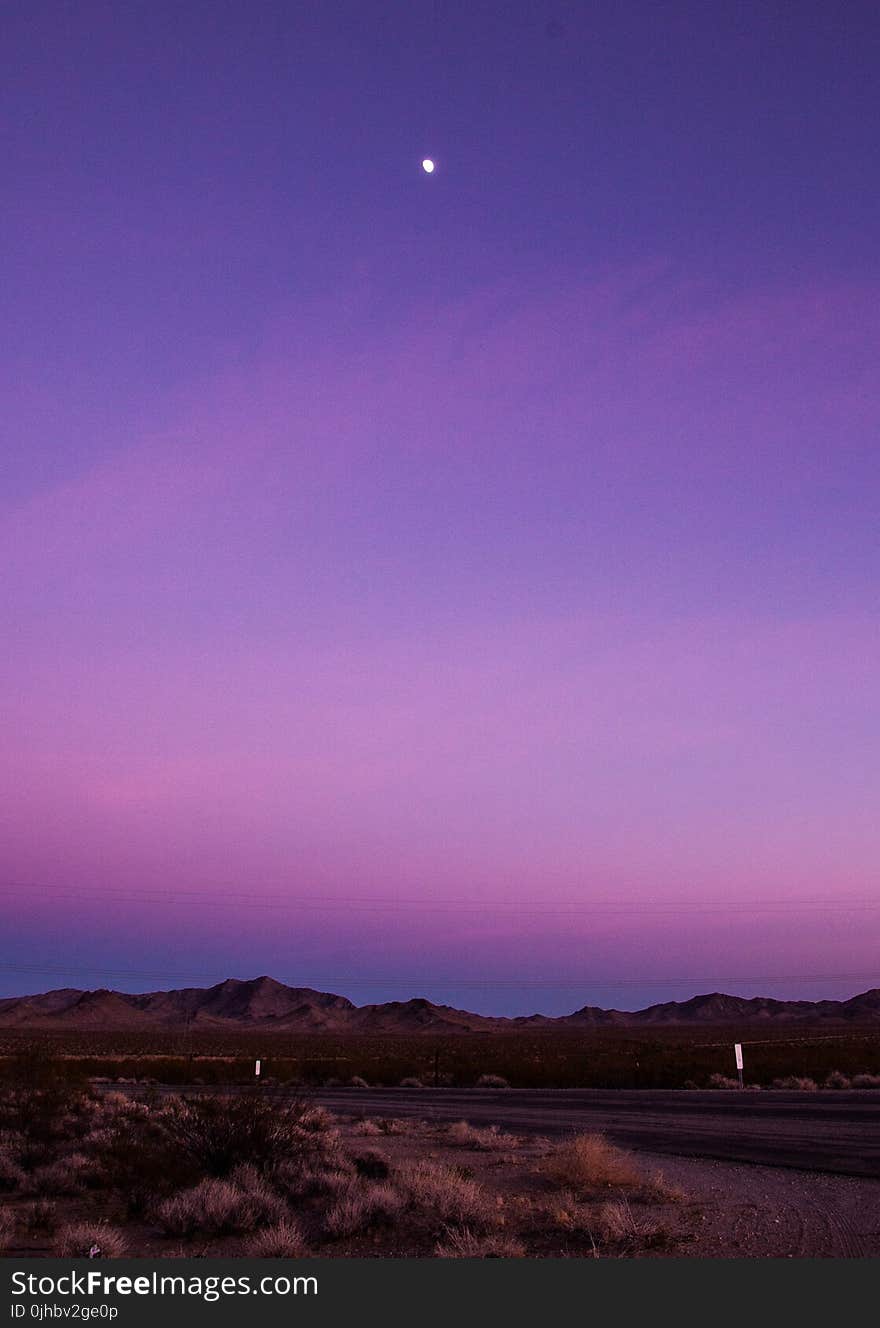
(257, 1069)
(738, 1053)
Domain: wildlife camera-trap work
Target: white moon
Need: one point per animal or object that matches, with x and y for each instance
(428, 166)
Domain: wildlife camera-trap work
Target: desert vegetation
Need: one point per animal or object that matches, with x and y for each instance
(599, 1058)
(103, 1175)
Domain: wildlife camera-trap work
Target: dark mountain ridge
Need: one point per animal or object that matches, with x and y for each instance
(264, 1003)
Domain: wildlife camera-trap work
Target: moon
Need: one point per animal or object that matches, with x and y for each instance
(428, 166)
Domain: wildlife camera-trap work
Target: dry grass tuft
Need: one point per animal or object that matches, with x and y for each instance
(488, 1140)
(590, 1162)
(617, 1224)
(282, 1241)
(90, 1240)
(462, 1243)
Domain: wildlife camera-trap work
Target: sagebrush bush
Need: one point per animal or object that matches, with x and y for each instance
(492, 1081)
(356, 1081)
(866, 1081)
(41, 1215)
(362, 1209)
(838, 1081)
(796, 1083)
(411, 1082)
(303, 1182)
(443, 1196)
(95, 1240)
(219, 1208)
(66, 1175)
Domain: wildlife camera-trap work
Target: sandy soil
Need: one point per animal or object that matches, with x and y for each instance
(744, 1211)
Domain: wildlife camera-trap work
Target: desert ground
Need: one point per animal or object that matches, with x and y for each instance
(149, 1171)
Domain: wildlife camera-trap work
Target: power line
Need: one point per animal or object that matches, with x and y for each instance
(380, 904)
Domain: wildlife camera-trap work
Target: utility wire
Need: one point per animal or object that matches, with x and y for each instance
(381, 903)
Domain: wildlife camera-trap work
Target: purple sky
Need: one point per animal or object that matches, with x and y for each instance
(462, 585)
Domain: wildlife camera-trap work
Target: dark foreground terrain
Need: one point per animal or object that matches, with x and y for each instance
(148, 1171)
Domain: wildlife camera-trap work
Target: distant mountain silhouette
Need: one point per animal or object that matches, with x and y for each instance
(263, 1003)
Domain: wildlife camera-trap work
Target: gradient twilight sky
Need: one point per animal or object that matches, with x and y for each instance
(464, 585)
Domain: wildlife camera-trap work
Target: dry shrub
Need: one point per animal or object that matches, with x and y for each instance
(590, 1162)
(12, 1175)
(444, 1196)
(366, 1128)
(66, 1175)
(617, 1224)
(284, 1240)
(722, 1081)
(411, 1082)
(364, 1209)
(217, 1134)
(462, 1243)
(115, 1101)
(371, 1164)
(314, 1118)
(96, 1240)
(489, 1140)
(218, 1208)
(393, 1125)
(301, 1182)
(838, 1080)
(866, 1081)
(492, 1081)
(41, 1215)
(795, 1083)
(356, 1081)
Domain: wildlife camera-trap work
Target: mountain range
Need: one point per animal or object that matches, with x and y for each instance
(263, 1003)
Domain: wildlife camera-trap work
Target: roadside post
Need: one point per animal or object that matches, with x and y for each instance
(738, 1053)
(257, 1068)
